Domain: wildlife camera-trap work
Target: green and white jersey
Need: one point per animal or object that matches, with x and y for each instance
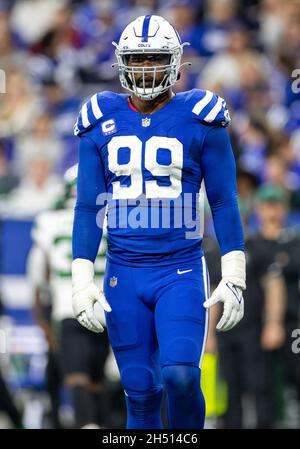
(52, 235)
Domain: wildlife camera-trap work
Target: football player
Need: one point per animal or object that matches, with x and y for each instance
(146, 152)
(80, 354)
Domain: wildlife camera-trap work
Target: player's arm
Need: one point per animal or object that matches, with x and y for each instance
(273, 333)
(219, 172)
(87, 233)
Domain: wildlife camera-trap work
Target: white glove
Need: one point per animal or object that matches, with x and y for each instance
(232, 297)
(230, 290)
(85, 294)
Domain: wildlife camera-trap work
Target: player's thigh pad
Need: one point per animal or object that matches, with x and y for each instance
(123, 322)
(181, 323)
(131, 331)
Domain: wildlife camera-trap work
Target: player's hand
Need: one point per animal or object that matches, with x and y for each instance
(85, 295)
(83, 302)
(232, 297)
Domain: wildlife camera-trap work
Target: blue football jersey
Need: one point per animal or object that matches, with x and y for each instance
(152, 166)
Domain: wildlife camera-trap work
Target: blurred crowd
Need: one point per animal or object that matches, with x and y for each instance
(56, 53)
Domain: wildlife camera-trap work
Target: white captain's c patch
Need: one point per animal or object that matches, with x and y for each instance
(109, 127)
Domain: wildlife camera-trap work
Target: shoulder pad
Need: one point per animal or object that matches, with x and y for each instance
(92, 111)
(210, 108)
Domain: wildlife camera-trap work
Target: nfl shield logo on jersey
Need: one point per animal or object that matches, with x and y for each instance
(146, 121)
(113, 281)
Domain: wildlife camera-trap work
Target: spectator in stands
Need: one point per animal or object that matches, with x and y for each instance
(183, 15)
(287, 151)
(99, 23)
(271, 24)
(235, 67)
(8, 180)
(10, 46)
(41, 142)
(212, 33)
(38, 13)
(19, 106)
(38, 190)
(247, 184)
(276, 171)
(252, 142)
(291, 33)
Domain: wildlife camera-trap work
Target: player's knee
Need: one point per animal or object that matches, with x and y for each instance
(143, 396)
(139, 404)
(181, 380)
(183, 351)
(137, 378)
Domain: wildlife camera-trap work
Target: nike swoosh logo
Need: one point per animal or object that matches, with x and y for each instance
(184, 271)
(235, 292)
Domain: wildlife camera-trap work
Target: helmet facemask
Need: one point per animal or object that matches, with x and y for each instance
(142, 90)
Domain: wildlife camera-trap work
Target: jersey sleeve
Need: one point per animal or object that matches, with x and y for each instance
(219, 173)
(91, 195)
(209, 108)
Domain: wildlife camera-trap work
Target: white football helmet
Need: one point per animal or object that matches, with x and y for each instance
(149, 34)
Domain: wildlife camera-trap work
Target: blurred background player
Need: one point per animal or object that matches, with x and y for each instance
(276, 249)
(257, 374)
(76, 357)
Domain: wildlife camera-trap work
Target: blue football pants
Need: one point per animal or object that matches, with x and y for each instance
(157, 329)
